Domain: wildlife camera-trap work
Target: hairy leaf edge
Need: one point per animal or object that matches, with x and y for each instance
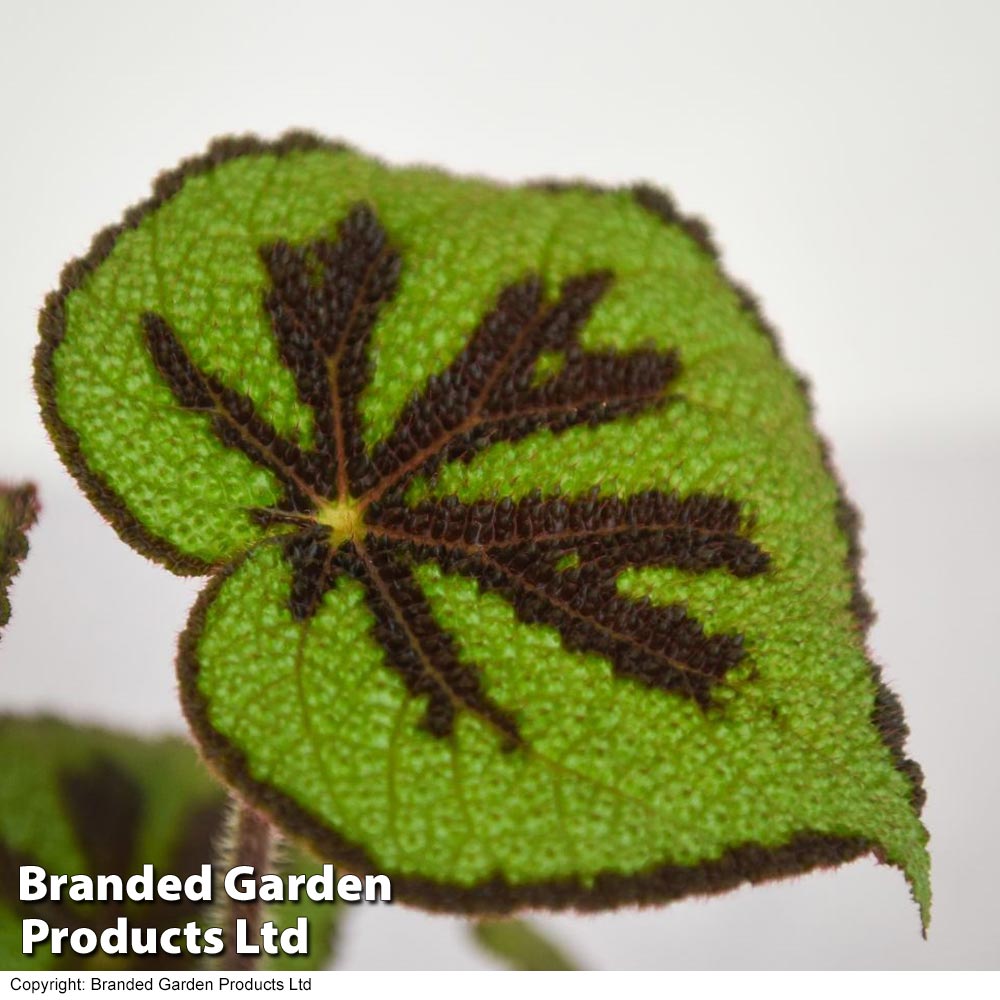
(25, 509)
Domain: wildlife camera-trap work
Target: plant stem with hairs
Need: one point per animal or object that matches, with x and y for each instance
(250, 842)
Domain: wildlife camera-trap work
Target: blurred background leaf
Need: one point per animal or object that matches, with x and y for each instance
(519, 946)
(83, 800)
(18, 511)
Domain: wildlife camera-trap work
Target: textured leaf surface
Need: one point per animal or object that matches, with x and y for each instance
(18, 510)
(520, 947)
(531, 583)
(78, 800)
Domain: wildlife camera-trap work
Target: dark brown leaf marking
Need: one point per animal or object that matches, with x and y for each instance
(104, 805)
(323, 303)
(422, 651)
(555, 559)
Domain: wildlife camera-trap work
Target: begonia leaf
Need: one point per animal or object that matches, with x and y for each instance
(531, 584)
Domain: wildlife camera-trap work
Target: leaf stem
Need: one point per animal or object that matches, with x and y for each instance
(251, 841)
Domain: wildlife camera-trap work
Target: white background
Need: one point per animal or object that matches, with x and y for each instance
(847, 155)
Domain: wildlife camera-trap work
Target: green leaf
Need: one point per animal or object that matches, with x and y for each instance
(79, 800)
(520, 947)
(18, 511)
(531, 584)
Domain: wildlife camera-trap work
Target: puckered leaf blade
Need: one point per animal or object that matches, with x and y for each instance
(333, 744)
(471, 390)
(80, 800)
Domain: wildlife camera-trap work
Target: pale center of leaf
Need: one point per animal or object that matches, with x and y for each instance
(343, 518)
